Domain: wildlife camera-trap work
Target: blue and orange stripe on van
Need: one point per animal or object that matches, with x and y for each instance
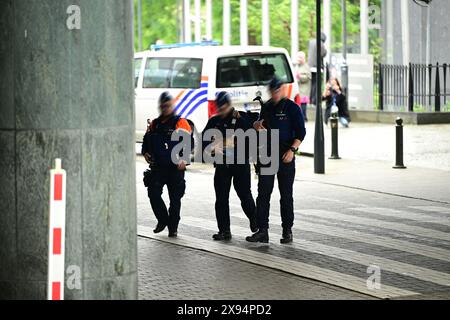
(189, 100)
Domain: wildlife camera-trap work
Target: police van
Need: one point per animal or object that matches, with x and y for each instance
(195, 73)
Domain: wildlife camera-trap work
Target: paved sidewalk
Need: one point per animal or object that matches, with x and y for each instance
(424, 146)
(359, 214)
(168, 271)
(379, 176)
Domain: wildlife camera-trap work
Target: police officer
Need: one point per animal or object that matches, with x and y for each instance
(286, 116)
(157, 150)
(238, 173)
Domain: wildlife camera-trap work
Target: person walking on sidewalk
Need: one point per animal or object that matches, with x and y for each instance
(281, 114)
(230, 171)
(303, 74)
(157, 150)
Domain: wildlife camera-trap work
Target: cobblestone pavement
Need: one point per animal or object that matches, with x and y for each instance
(341, 233)
(168, 271)
(424, 146)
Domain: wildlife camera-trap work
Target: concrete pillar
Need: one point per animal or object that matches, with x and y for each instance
(294, 29)
(187, 21)
(68, 94)
(198, 20)
(244, 24)
(405, 31)
(327, 26)
(226, 23)
(209, 19)
(265, 23)
(139, 14)
(428, 40)
(390, 31)
(364, 26)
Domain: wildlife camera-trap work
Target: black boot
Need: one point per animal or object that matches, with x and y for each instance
(223, 236)
(262, 236)
(253, 225)
(287, 237)
(160, 228)
(173, 234)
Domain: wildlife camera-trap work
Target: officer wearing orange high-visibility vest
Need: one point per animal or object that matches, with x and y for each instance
(157, 150)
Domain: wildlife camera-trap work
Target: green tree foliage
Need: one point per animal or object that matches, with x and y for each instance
(162, 19)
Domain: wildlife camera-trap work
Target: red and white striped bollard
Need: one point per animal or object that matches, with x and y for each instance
(57, 226)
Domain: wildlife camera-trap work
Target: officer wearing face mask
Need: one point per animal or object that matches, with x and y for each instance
(157, 150)
(229, 171)
(284, 115)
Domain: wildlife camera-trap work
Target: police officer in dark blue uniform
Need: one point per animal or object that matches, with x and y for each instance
(230, 119)
(157, 150)
(286, 116)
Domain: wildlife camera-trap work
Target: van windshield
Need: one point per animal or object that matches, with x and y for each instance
(176, 73)
(252, 70)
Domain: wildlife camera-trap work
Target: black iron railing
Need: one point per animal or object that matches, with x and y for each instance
(416, 87)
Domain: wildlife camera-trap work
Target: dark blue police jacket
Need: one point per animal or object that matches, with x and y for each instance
(158, 141)
(287, 117)
(230, 123)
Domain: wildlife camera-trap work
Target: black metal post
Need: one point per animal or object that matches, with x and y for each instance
(445, 83)
(334, 122)
(399, 144)
(411, 89)
(319, 143)
(381, 88)
(430, 70)
(437, 91)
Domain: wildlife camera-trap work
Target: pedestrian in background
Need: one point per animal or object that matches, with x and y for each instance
(336, 102)
(303, 74)
(157, 151)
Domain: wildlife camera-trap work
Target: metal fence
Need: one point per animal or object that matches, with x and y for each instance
(414, 88)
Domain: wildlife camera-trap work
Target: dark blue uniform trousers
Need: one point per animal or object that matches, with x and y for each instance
(286, 176)
(240, 174)
(176, 185)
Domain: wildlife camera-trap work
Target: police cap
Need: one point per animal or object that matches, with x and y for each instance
(275, 84)
(165, 97)
(222, 99)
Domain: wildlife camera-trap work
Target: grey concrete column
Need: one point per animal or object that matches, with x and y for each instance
(364, 26)
(405, 32)
(243, 23)
(68, 94)
(187, 21)
(390, 31)
(209, 20)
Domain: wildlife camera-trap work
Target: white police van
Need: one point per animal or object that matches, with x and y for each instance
(195, 73)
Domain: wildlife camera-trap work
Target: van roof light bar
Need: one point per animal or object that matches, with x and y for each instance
(158, 47)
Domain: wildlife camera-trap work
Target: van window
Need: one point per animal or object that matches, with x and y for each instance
(181, 73)
(251, 70)
(137, 70)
